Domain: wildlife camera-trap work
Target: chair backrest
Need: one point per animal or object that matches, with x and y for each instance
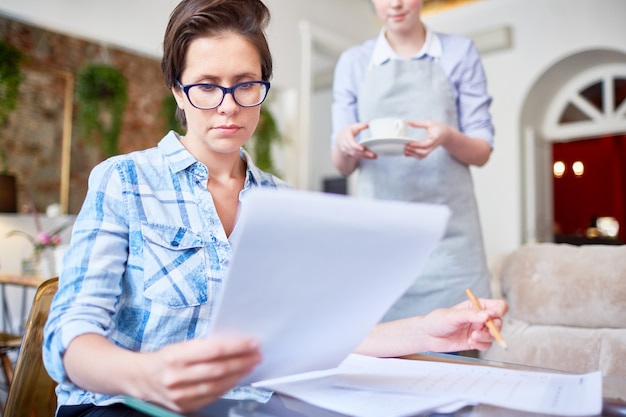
(32, 390)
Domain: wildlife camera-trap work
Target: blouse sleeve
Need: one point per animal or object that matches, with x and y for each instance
(348, 76)
(473, 101)
(90, 282)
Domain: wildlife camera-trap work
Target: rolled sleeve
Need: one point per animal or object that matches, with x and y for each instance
(348, 77)
(89, 285)
(461, 61)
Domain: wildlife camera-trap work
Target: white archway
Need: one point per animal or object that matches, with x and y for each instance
(559, 108)
(586, 106)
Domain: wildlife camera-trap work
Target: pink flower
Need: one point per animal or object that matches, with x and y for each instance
(40, 240)
(56, 240)
(44, 239)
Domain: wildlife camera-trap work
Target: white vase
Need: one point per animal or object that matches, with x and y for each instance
(59, 253)
(41, 264)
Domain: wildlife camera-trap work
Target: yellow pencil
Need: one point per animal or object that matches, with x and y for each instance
(492, 327)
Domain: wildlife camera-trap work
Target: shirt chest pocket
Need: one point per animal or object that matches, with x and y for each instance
(174, 269)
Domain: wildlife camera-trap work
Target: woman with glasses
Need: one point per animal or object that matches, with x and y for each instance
(151, 246)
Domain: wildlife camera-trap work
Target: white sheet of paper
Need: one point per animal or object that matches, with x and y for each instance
(312, 273)
(539, 392)
(324, 392)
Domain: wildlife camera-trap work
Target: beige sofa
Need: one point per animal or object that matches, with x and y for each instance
(567, 309)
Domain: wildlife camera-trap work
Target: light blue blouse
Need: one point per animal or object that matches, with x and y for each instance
(456, 54)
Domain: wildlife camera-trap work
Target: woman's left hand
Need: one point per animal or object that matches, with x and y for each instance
(466, 149)
(453, 329)
(436, 135)
(463, 327)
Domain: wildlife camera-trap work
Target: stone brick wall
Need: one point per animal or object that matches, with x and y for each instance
(33, 136)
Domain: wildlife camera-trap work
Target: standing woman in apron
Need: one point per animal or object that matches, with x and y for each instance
(436, 83)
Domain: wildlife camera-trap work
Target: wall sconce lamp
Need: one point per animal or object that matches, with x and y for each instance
(578, 168)
(558, 169)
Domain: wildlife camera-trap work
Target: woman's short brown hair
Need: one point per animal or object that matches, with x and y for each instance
(192, 19)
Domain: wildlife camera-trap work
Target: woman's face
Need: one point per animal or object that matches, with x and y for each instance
(399, 15)
(226, 60)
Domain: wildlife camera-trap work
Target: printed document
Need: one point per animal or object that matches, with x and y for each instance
(427, 385)
(313, 273)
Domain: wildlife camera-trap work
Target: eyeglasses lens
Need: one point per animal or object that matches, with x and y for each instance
(209, 96)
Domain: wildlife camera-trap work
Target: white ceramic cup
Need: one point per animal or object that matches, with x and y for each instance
(388, 127)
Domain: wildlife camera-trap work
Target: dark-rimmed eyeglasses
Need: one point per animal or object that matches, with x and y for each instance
(205, 96)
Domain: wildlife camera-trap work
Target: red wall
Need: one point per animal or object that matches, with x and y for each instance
(600, 191)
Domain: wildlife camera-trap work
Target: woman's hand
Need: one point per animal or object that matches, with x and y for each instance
(463, 327)
(436, 135)
(182, 376)
(468, 150)
(347, 152)
(453, 329)
(347, 144)
(187, 376)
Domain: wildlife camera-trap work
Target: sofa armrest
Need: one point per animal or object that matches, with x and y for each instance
(560, 284)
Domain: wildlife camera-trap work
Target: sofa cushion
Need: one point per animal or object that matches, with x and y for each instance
(566, 349)
(561, 284)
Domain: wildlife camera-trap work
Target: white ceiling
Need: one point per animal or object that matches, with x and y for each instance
(133, 24)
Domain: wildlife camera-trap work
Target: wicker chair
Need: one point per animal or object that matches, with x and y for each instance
(32, 390)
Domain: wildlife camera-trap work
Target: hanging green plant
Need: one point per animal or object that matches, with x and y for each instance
(260, 145)
(101, 99)
(10, 78)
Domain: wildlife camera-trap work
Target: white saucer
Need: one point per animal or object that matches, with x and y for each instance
(386, 146)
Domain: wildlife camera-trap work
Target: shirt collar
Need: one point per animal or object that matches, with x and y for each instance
(176, 154)
(253, 173)
(383, 52)
(180, 159)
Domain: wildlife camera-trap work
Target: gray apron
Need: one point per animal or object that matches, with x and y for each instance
(420, 90)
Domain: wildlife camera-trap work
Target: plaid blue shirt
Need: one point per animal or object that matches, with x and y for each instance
(147, 258)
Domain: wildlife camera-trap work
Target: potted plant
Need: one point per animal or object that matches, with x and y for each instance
(260, 145)
(168, 112)
(101, 99)
(10, 78)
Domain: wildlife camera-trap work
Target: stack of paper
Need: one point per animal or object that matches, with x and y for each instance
(368, 387)
(312, 273)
